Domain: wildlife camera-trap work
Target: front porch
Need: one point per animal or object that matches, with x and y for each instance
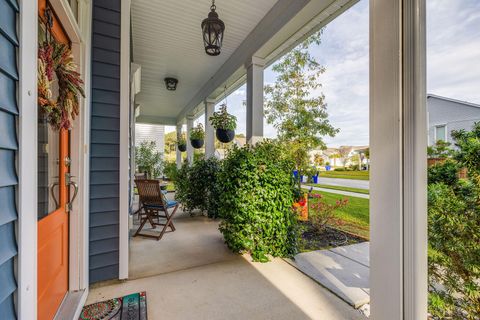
(191, 273)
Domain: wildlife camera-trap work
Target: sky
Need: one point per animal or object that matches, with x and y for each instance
(453, 66)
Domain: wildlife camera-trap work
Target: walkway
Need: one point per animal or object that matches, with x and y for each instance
(345, 193)
(360, 184)
(343, 270)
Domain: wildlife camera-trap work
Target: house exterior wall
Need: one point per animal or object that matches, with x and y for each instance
(455, 115)
(105, 142)
(8, 153)
(150, 132)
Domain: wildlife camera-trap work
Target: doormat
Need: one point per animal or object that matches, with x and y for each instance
(131, 307)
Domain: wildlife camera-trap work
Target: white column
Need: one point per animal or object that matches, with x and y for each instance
(254, 99)
(398, 142)
(178, 152)
(189, 145)
(209, 129)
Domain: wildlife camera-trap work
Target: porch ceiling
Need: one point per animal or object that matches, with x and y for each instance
(167, 42)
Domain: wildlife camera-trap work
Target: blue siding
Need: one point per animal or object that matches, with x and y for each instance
(8, 153)
(105, 141)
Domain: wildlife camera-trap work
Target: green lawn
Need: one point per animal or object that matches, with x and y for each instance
(355, 175)
(354, 218)
(356, 190)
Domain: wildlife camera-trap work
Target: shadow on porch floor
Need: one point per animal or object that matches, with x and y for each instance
(191, 274)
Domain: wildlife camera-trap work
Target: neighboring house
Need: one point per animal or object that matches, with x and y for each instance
(446, 115)
(332, 155)
(150, 132)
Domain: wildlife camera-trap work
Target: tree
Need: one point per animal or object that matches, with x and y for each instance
(343, 153)
(454, 231)
(318, 159)
(148, 159)
(295, 107)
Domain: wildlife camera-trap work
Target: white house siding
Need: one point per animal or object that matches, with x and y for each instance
(454, 114)
(150, 132)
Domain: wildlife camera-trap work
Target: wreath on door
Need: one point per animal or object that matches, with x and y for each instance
(56, 59)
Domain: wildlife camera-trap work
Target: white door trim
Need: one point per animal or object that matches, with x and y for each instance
(124, 139)
(27, 171)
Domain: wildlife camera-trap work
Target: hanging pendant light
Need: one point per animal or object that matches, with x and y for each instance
(212, 29)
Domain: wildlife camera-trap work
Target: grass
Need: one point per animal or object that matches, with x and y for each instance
(356, 190)
(354, 218)
(354, 175)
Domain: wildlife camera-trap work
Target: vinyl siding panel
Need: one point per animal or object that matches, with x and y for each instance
(105, 141)
(8, 154)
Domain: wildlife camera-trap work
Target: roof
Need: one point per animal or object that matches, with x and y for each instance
(470, 104)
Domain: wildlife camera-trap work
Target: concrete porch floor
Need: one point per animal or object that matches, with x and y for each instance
(191, 274)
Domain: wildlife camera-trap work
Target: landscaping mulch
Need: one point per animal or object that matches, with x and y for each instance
(312, 240)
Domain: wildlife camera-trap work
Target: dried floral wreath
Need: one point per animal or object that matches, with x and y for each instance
(54, 57)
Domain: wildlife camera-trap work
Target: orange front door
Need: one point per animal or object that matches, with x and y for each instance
(53, 228)
(53, 194)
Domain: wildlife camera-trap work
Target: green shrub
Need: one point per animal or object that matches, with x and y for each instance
(454, 232)
(196, 186)
(340, 169)
(256, 197)
(148, 159)
(170, 170)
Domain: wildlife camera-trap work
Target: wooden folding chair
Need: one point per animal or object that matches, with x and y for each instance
(154, 202)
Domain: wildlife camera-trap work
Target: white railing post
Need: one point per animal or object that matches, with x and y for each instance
(189, 145)
(398, 142)
(209, 130)
(178, 152)
(254, 68)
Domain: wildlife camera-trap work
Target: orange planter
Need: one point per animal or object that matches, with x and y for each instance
(301, 207)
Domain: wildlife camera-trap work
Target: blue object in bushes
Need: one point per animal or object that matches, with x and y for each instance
(328, 168)
(295, 174)
(315, 179)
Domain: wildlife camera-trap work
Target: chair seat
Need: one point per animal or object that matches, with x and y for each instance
(170, 204)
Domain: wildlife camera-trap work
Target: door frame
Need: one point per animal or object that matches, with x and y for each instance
(80, 36)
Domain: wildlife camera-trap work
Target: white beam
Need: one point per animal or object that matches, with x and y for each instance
(209, 129)
(189, 144)
(156, 120)
(398, 133)
(178, 152)
(254, 68)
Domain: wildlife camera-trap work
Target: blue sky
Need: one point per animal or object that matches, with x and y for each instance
(453, 65)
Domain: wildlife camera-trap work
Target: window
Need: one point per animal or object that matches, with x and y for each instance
(441, 133)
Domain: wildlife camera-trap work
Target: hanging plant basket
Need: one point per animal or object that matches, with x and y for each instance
(224, 123)
(182, 147)
(197, 143)
(225, 135)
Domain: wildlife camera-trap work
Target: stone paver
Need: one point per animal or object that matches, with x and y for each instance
(344, 271)
(359, 252)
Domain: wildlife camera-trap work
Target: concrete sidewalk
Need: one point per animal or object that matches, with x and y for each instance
(345, 271)
(345, 193)
(339, 182)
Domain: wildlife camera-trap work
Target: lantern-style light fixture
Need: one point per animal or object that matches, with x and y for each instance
(171, 84)
(212, 29)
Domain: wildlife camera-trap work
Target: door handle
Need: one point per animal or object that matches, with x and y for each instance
(51, 187)
(75, 193)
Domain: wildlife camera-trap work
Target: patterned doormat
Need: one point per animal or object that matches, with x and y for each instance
(131, 307)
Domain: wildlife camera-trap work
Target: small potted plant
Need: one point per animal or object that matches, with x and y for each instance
(197, 136)
(182, 144)
(224, 123)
